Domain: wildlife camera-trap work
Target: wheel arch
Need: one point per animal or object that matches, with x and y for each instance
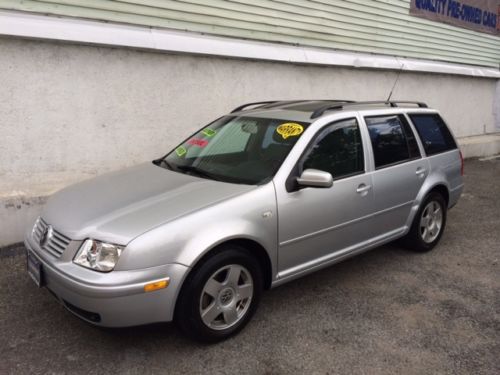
(254, 248)
(442, 189)
(413, 238)
(440, 186)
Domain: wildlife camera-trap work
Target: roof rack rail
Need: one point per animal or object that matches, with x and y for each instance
(241, 107)
(393, 103)
(274, 103)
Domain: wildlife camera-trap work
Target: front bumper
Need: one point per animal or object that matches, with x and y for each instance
(114, 299)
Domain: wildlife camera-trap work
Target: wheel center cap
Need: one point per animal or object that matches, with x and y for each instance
(226, 296)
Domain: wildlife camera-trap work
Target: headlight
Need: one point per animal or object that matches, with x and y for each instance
(99, 256)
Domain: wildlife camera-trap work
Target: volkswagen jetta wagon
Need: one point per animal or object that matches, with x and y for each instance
(259, 197)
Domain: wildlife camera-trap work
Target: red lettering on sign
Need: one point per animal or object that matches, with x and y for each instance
(498, 19)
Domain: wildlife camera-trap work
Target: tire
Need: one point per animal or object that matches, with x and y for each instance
(428, 224)
(220, 295)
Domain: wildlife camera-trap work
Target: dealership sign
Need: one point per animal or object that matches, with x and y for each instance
(478, 15)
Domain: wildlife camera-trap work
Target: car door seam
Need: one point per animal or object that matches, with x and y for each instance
(338, 226)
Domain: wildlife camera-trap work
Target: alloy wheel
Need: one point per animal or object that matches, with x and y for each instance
(431, 222)
(226, 297)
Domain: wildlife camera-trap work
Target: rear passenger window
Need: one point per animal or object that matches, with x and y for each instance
(433, 132)
(392, 140)
(410, 139)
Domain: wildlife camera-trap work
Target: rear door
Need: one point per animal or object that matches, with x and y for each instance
(399, 170)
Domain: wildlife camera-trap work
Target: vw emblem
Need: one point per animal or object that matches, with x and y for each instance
(46, 236)
(226, 296)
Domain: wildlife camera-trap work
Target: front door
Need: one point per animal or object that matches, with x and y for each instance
(314, 223)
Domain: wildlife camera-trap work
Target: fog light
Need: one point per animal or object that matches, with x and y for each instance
(162, 284)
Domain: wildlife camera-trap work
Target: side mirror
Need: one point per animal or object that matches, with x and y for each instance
(315, 178)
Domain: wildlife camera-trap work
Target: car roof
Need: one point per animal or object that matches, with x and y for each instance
(310, 110)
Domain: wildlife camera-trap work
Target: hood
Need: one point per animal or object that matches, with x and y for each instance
(119, 206)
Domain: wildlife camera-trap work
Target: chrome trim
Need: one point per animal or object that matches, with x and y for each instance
(55, 242)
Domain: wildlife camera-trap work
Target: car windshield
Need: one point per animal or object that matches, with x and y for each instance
(236, 149)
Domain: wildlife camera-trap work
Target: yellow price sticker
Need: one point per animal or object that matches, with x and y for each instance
(289, 129)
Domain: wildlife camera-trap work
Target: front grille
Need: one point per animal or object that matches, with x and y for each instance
(55, 243)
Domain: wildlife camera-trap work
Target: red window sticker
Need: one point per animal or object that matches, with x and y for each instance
(197, 142)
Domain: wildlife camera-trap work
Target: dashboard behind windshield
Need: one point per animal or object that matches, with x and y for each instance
(237, 149)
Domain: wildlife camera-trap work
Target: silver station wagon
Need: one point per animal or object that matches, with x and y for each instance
(259, 197)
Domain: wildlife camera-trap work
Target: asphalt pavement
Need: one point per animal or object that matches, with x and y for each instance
(388, 311)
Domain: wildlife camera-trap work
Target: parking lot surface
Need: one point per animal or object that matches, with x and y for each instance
(388, 311)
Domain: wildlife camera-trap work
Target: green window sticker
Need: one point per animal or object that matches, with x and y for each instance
(180, 151)
(209, 132)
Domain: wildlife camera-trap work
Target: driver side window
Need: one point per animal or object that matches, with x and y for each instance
(338, 150)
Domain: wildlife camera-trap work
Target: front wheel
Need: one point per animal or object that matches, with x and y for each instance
(428, 224)
(220, 295)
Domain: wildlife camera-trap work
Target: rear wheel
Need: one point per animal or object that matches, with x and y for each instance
(220, 295)
(428, 224)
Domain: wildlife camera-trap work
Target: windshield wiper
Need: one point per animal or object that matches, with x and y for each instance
(165, 162)
(197, 171)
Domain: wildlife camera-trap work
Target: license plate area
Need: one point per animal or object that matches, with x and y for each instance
(35, 268)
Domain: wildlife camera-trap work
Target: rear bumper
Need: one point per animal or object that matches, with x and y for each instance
(455, 195)
(114, 299)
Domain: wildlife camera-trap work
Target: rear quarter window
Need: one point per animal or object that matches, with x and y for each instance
(434, 133)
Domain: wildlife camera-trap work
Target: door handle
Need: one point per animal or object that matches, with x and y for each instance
(420, 171)
(363, 188)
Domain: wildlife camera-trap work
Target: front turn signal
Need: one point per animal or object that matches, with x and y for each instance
(162, 284)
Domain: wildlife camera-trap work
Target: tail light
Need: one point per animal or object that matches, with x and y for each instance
(461, 163)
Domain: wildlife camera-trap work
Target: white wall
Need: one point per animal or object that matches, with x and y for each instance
(68, 112)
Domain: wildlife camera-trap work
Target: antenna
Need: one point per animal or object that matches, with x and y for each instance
(395, 82)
